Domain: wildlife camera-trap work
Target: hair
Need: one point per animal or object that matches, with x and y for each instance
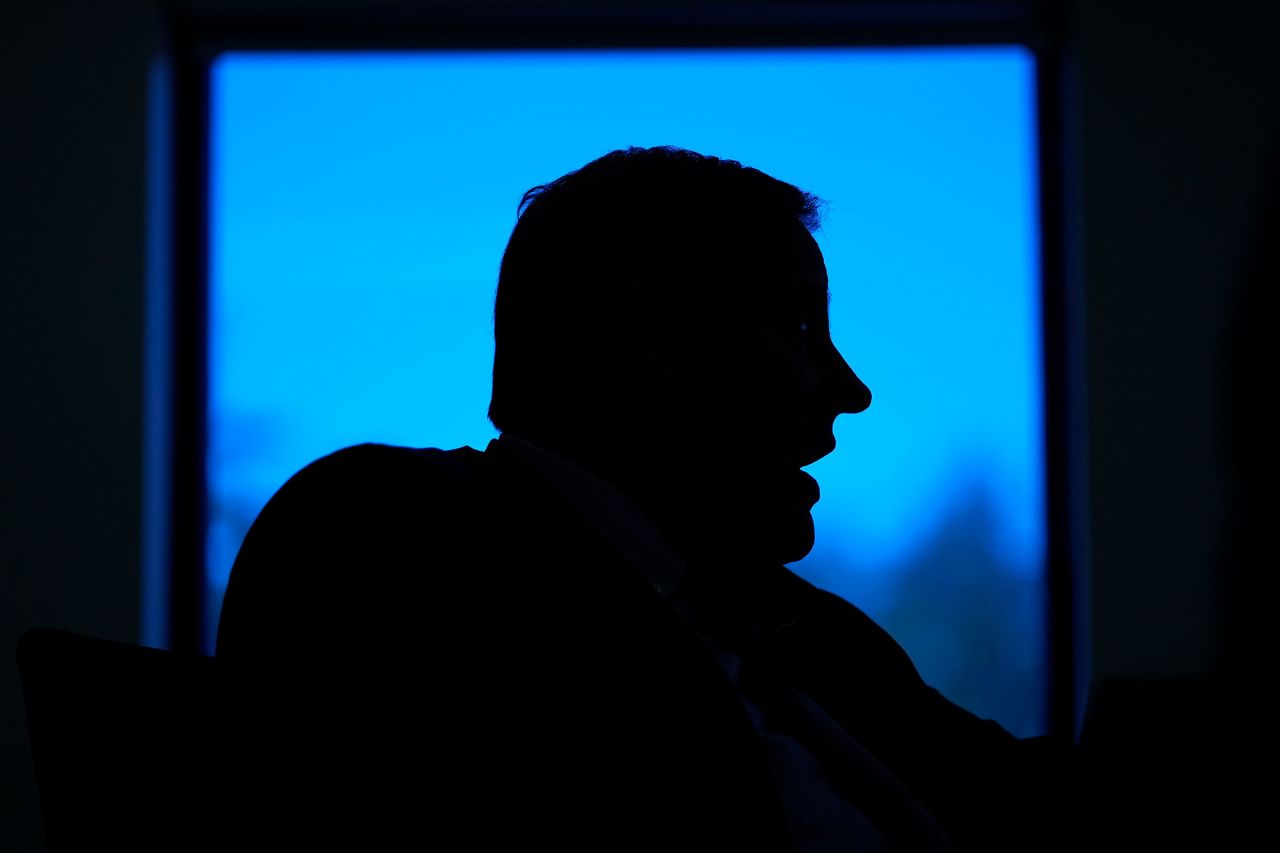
(608, 260)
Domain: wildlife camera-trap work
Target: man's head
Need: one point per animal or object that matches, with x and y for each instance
(661, 318)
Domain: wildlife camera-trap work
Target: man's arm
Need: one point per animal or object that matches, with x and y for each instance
(989, 789)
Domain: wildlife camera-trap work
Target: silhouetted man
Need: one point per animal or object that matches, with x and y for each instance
(584, 635)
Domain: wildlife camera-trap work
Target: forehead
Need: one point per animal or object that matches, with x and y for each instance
(786, 266)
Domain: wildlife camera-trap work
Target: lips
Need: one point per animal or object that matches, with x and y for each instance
(814, 455)
(806, 488)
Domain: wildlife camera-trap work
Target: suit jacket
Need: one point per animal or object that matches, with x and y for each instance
(435, 642)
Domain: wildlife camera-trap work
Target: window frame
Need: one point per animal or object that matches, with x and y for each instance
(178, 329)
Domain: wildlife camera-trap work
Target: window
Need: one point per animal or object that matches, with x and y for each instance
(360, 202)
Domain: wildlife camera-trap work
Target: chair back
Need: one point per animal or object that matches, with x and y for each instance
(127, 744)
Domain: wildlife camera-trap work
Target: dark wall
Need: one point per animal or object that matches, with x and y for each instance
(72, 78)
(1180, 129)
(1177, 134)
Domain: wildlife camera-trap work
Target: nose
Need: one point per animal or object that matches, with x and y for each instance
(849, 394)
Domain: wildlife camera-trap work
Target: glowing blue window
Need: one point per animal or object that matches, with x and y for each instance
(361, 203)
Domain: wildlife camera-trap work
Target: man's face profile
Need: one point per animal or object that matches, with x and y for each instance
(661, 319)
(760, 387)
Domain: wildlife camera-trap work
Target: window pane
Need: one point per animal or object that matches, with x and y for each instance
(361, 203)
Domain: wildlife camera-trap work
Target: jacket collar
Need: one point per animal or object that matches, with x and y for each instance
(607, 510)
(778, 602)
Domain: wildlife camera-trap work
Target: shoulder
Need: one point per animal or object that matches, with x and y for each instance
(375, 493)
(349, 526)
(384, 465)
(359, 482)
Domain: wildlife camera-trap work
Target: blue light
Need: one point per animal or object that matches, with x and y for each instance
(361, 203)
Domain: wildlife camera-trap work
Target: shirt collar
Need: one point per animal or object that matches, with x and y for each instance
(610, 512)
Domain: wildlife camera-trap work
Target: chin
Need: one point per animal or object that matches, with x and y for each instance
(795, 539)
(759, 533)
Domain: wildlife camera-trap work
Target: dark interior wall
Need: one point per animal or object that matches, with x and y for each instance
(1178, 128)
(1179, 134)
(72, 95)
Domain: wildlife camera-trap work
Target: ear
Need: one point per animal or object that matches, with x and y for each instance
(658, 334)
(662, 355)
